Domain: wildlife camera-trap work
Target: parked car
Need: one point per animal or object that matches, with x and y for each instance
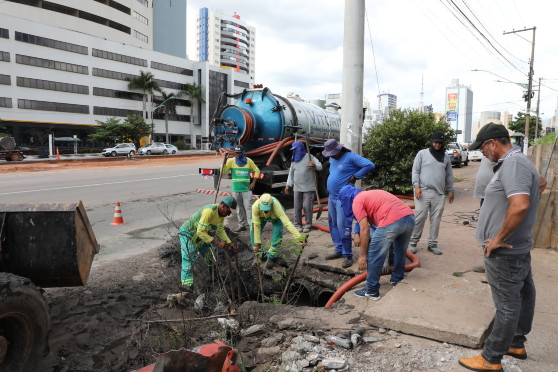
(458, 154)
(172, 149)
(120, 149)
(154, 148)
(475, 155)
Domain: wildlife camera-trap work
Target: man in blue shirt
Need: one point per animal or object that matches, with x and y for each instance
(345, 166)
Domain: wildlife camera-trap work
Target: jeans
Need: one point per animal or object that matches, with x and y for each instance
(303, 201)
(244, 203)
(339, 228)
(397, 233)
(513, 293)
(433, 203)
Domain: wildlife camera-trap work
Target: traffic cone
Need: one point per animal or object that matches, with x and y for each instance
(57, 154)
(118, 220)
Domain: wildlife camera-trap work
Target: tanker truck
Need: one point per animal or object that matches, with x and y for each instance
(267, 124)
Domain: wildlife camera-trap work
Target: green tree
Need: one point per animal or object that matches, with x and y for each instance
(147, 84)
(194, 93)
(112, 130)
(393, 145)
(518, 125)
(169, 108)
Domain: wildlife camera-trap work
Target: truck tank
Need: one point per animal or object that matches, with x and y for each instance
(259, 118)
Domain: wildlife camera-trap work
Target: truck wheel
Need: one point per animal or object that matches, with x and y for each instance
(16, 156)
(24, 324)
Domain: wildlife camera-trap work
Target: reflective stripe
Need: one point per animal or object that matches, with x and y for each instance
(188, 282)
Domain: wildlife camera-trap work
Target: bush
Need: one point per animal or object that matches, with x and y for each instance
(393, 145)
(181, 145)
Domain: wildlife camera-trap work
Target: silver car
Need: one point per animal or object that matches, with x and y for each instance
(172, 149)
(120, 149)
(154, 148)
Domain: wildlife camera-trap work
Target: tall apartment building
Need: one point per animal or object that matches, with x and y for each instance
(226, 41)
(64, 80)
(169, 27)
(459, 110)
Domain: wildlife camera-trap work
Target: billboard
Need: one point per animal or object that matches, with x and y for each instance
(452, 106)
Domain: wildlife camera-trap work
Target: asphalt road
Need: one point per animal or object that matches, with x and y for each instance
(155, 200)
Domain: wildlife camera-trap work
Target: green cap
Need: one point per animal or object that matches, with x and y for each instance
(229, 202)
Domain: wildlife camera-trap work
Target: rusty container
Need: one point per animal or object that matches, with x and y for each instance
(52, 244)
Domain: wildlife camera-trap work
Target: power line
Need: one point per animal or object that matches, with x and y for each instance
(373, 53)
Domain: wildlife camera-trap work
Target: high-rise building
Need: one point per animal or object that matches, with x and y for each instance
(169, 27)
(227, 41)
(459, 110)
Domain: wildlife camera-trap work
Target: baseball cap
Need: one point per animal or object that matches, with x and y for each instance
(239, 148)
(266, 201)
(489, 131)
(229, 202)
(437, 136)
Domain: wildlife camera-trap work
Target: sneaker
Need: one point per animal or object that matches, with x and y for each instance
(517, 352)
(370, 295)
(478, 363)
(334, 256)
(347, 262)
(270, 262)
(299, 228)
(412, 248)
(240, 228)
(393, 283)
(435, 250)
(306, 229)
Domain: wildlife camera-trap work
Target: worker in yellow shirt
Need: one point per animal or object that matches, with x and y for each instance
(269, 209)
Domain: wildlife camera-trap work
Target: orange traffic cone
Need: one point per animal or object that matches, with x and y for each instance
(57, 154)
(118, 220)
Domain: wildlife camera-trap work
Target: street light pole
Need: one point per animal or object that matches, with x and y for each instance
(529, 90)
(162, 104)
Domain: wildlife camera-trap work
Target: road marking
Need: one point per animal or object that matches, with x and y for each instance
(97, 184)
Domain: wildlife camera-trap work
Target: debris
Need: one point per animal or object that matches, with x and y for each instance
(343, 342)
(334, 363)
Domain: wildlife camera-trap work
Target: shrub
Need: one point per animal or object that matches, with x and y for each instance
(393, 145)
(181, 145)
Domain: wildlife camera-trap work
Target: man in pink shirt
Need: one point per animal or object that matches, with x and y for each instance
(394, 221)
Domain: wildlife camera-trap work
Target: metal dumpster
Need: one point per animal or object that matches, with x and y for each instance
(52, 244)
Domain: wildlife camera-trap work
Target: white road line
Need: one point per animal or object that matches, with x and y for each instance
(97, 184)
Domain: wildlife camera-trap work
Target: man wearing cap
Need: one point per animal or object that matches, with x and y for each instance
(505, 231)
(240, 167)
(200, 233)
(268, 209)
(302, 181)
(345, 167)
(432, 176)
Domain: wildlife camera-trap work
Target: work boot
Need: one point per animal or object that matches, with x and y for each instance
(333, 256)
(412, 248)
(434, 249)
(299, 228)
(347, 262)
(306, 229)
(270, 263)
(517, 352)
(478, 363)
(240, 229)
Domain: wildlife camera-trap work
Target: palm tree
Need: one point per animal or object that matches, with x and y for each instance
(194, 93)
(170, 108)
(147, 84)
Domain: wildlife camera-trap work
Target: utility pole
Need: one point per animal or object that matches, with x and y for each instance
(530, 88)
(538, 104)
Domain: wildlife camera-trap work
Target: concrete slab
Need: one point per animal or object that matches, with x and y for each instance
(434, 305)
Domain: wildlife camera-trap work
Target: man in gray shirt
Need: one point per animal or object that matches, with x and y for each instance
(432, 176)
(505, 230)
(300, 176)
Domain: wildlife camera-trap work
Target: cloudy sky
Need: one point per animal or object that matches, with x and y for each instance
(300, 48)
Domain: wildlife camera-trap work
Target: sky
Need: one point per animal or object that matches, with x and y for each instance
(299, 49)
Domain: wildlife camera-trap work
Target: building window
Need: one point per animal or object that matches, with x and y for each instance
(142, 37)
(4, 33)
(110, 111)
(171, 117)
(112, 74)
(118, 57)
(170, 84)
(52, 85)
(123, 94)
(141, 18)
(52, 106)
(179, 102)
(169, 68)
(242, 84)
(4, 56)
(50, 43)
(5, 102)
(54, 65)
(5, 79)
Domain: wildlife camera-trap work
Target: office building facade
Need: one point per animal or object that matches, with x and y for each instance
(226, 41)
(459, 110)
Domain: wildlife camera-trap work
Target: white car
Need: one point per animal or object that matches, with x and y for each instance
(154, 148)
(172, 149)
(475, 155)
(120, 149)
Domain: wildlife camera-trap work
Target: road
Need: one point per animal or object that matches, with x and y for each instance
(155, 199)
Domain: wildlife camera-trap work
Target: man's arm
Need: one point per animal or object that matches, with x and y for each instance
(365, 166)
(364, 240)
(519, 204)
(253, 168)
